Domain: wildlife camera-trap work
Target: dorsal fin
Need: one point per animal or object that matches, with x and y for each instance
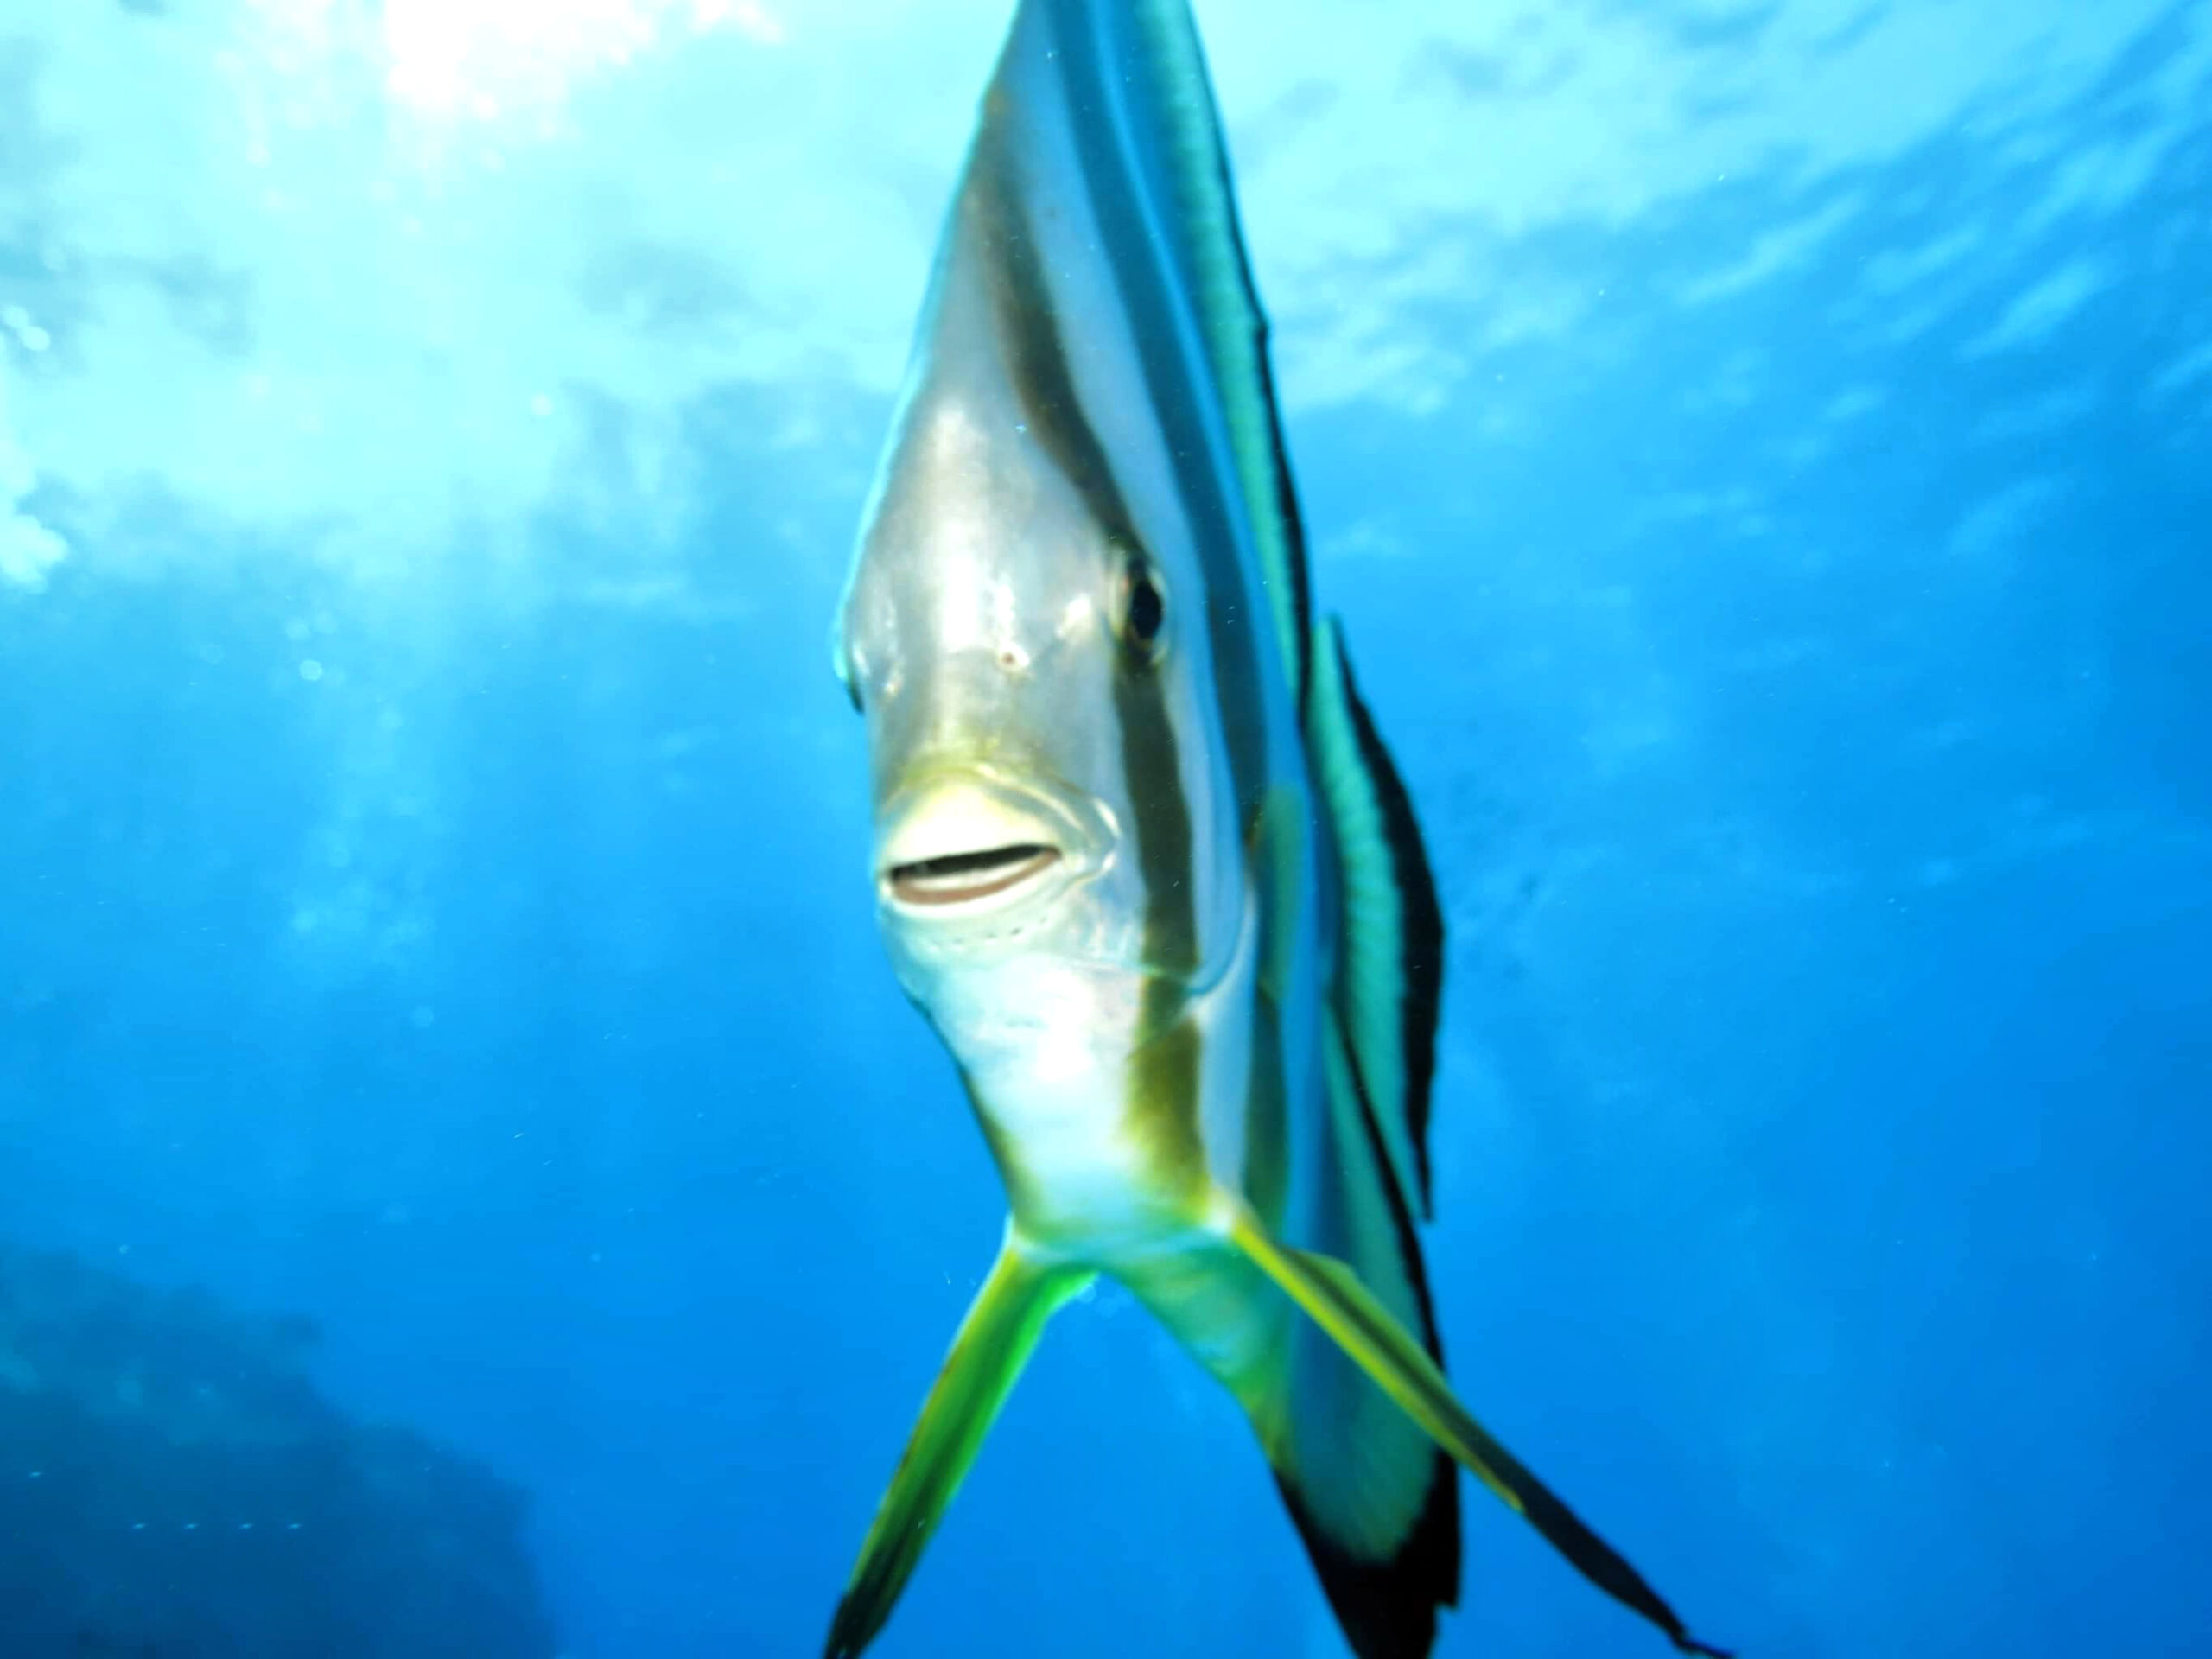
(1390, 966)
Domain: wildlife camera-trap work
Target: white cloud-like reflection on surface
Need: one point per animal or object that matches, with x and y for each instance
(359, 266)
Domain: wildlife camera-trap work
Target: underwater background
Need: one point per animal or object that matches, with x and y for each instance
(1762, 455)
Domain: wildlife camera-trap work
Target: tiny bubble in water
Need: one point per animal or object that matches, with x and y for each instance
(310, 670)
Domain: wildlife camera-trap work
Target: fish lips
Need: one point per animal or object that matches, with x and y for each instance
(959, 845)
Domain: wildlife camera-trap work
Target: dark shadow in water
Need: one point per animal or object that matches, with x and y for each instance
(175, 1488)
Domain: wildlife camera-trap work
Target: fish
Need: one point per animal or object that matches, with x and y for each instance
(1140, 856)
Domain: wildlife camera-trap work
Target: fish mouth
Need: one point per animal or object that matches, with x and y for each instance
(966, 841)
(967, 878)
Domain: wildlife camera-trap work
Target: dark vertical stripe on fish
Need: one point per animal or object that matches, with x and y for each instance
(1284, 492)
(1266, 1175)
(1037, 363)
(1178, 397)
(1163, 1088)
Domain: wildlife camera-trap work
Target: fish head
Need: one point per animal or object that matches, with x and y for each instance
(1020, 666)
(1056, 623)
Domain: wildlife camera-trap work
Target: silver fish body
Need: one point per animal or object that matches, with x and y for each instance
(1142, 858)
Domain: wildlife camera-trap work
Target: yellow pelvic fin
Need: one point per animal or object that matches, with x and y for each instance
(994, 1343)
(1331, 1295)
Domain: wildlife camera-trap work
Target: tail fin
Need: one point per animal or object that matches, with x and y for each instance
(1374, 1497)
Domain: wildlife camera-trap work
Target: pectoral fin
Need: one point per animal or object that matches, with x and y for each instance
(994, 1343)
(1332, 1296)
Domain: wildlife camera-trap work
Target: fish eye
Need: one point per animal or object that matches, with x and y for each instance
(1143, 608)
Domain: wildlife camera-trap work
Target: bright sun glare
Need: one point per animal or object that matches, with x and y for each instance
(448, 60)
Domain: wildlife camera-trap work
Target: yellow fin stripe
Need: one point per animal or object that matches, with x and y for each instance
(1335, 1299)
(994, 1343)
(1331, 1295)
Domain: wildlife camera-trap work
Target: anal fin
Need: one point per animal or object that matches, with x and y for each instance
(1331, 1294)
(994, 1343)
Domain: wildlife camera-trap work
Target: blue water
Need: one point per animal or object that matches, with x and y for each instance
(1764, 462)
